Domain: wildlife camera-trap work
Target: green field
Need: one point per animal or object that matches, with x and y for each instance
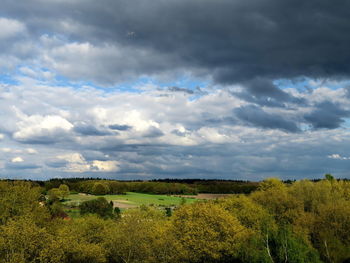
(132, 199)
(128, 200)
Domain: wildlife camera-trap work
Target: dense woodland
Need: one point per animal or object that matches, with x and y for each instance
(303, 221)
(166, 186)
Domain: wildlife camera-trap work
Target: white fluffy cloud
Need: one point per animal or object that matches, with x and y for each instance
(105, 166)
(76, 163)
(41, 129)
(17, 160)
(338, 157)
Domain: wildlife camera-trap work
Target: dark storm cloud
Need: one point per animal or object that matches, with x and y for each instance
(264, 92)
(259, 118)
(327, 115)
(90, 130)
(119, 127)
(262, 101)
(184, 90)
(233, 41)
(153, 132)
(265, 87)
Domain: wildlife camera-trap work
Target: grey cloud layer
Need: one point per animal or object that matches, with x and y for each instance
(231, 41)
(259, 118)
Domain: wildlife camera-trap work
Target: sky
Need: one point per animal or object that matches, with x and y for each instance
(213, 89)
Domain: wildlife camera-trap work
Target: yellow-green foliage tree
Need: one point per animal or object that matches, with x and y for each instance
(82, 240)
(64, 189)
(140, 236)
(100, 189)
(261, 227)
(204, 232)
(331, 231)
(326, 216)
(57, 194)
(18, 199)
(54, 195)
(22, 240)
(274, 195)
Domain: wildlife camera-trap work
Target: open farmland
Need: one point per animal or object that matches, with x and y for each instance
(130, 199)
(134, 200)
(126, 201)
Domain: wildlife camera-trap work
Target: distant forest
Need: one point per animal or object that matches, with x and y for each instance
(159, 186)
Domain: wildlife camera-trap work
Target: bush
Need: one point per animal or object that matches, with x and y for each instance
(99, 206)
(64, 189)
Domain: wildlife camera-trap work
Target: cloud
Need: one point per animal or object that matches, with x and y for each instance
(229, 41)
(265, 87)
(105, 166)
(17, 160)
(264, 92)
(327, 115)
(37, 129)
(76, 163)
(89, 129)
(31, 151)
(213, 135)
(258, 117)
(110, 91)
(135, 135)
(338, 157)
(107, 64)
(21, 166)
(152, 132)
(14, 150)
(119, 127)
(57, 162)
(10, 28)
(177, 89)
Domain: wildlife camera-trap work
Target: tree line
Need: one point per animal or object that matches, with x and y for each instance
(165, 186)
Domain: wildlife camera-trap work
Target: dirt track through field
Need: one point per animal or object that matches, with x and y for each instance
(123, 205)
(205, 196)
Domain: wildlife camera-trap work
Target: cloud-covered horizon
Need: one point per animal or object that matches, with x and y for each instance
(48, 131)
(159, 89)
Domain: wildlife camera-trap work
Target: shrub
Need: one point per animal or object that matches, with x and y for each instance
(99, 206)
